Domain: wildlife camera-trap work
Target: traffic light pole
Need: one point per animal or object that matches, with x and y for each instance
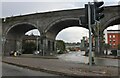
(98, 48)
(90, 38)
(97, 16)
(93, 14)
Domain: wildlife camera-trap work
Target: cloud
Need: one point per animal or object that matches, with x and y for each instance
(44, 0)
(72, 34)
(115, 27)
(15, 8)
(34, 32)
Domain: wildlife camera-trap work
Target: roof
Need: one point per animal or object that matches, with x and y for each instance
(113, 31)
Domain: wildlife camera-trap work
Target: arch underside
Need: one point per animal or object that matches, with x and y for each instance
(14, 37)
(57, 27)
(19, 30)
(111, 22)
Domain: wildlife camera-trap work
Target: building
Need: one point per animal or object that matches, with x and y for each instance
(72, 46)
(113, 37)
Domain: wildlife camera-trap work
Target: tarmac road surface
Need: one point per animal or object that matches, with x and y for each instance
(11, 70)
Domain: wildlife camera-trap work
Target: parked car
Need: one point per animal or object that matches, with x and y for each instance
(36, 52)
(19, 53)
(15, 53)
(114, 52)
(11, 53)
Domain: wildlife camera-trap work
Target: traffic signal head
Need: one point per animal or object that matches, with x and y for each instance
(91, 13)
(98, 4)
(84, 19)
(98, 10)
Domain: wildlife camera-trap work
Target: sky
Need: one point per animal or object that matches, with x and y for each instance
(23, 7)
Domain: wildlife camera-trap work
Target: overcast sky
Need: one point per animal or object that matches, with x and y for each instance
(21, 7)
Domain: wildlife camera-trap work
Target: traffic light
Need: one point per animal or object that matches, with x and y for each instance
(91, 13)
(98, 10)
(83, 22)
(84, 19)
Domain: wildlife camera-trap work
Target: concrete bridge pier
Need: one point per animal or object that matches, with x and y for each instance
(48, 46)
(9, 45)
(101, 40)
(19, 45)
(12, 45)
(99, 43)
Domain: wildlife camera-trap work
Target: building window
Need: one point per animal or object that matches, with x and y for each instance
(110, 40)
(114, 40)
(110, 36)
(114, 44)
(113, 36)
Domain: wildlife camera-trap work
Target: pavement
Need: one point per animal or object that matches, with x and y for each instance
(54, 65)
(37, 56)
(111, 57)
(11, 70)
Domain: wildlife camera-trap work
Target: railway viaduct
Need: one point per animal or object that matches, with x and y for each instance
(49, 25)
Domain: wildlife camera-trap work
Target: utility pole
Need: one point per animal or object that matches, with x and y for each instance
(90, 38)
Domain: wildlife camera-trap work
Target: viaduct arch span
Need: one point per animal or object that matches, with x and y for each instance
(49, 25)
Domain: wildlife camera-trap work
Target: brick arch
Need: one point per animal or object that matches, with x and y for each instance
(113, 21)
(14, 35)
(32, 26)
(54, 28)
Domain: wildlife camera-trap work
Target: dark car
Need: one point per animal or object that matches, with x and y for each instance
(114, 52)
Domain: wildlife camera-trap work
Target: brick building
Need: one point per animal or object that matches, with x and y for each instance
(113, 37)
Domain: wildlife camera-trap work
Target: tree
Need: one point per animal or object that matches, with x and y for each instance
(29, 47)
(60, 45)
(106, 47)
(118, 46)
